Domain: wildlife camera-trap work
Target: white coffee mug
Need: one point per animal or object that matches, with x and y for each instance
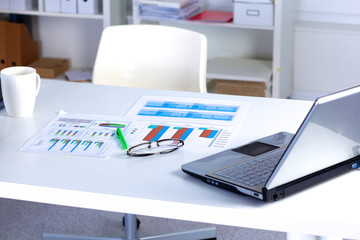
(20, 86)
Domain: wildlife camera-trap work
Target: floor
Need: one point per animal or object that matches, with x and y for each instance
(20, 220)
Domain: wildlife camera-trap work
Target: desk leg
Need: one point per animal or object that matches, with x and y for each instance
(130, 226)
(298, 236)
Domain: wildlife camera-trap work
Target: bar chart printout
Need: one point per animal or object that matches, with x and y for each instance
(200, 123)
(195, 136)
(76, 134)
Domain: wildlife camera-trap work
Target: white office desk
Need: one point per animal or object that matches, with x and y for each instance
(155, 185)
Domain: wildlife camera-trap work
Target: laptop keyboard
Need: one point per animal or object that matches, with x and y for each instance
(252, 172)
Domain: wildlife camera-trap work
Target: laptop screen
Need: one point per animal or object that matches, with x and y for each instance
(330, 134)
(1, 99)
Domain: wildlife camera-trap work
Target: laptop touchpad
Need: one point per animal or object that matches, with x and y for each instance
(255, 148)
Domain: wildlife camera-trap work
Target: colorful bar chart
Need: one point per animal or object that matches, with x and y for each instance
(53, 142)
(207, 133)
(87, 144)
(75, 143)
(100, 134)
(64, 133)
(74, 134)
(112, 125)
(99, 144)
(66, 145)
(156, 132)
(65, 142)
(182, 133)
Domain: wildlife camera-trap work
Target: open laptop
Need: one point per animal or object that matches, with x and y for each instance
(327, 144)
(1, 98)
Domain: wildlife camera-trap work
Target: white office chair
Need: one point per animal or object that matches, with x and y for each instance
(152, 56)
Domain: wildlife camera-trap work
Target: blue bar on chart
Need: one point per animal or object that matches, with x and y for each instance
(156, 132)
(182, 133)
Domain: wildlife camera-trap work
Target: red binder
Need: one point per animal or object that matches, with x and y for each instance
(213, 16)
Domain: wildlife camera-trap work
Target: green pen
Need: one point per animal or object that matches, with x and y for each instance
(121, 137)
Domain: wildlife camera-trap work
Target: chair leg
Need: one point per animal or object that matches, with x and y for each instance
(197, 234)
(53, 236)
(131, 224)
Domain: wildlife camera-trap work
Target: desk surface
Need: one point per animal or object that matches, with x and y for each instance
(156, 186)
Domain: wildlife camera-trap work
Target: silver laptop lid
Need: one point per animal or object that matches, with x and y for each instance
(329, 135)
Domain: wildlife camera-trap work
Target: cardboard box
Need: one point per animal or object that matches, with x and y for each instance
(16, 45)
(260, 14)
(52, 5)
(245, 88)
(50, 67)
(88, 6)
(68, 6)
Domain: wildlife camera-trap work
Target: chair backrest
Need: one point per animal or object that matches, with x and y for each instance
(152, 56)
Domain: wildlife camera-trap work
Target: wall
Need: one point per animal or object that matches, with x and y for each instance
(326, 47)
(72, 38)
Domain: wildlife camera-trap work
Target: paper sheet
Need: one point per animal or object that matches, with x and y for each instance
(204, 124)
(78, 134)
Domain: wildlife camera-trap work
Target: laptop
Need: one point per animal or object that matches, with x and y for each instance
(326, 145)
(1, 98)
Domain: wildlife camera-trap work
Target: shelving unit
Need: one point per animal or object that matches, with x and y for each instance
(76, 37)
(281, 52)
(113, 12)
(72, 36)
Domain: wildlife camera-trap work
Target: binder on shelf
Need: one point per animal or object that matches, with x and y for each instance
(88, 6)
(4, 4)
(68, 6)
(259, 1)
(164, 3)
(52, 5)
(21, 5)
(158, 13)
(16, 45)
(213, 17)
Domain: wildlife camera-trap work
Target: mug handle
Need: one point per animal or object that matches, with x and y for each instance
(38, 84)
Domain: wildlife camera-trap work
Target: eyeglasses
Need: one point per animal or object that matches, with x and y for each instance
(156, 147)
